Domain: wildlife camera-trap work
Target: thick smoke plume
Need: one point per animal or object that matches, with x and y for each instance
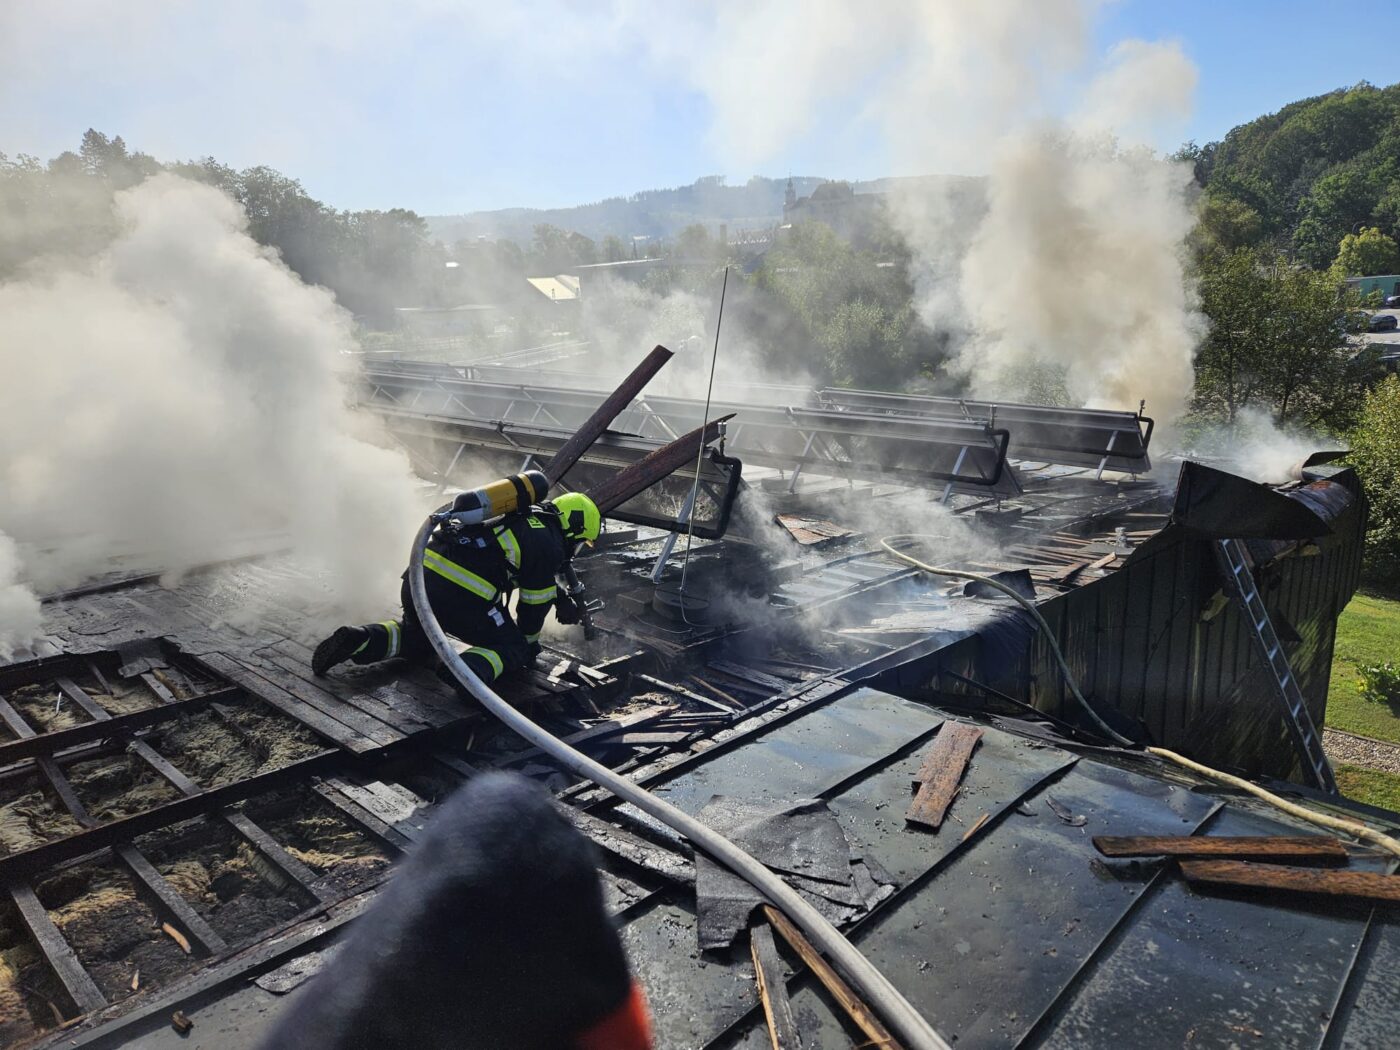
(174, 394)
(1073, 259)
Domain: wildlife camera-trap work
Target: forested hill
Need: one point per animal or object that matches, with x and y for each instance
(650, 213)
(1302, 178)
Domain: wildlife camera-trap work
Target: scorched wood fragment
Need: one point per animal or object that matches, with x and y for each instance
(1365, 885)
(936, 782)
(1319, 847)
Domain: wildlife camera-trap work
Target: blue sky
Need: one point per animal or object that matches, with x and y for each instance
(444, 107)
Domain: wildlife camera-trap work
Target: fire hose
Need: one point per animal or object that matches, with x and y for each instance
(1026, 604)
(1350, 827)
(880, 995)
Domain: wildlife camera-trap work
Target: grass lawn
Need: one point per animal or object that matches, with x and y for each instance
(1367, 632)
(1370, 786)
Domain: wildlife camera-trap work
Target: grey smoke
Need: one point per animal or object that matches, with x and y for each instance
(175, 393)
(1073, 258)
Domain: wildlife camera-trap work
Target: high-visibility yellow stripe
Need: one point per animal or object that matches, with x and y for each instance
(542, 596)
(393, 628)
(532, 637)
(450, 570)
(491, 657)
(508, 543)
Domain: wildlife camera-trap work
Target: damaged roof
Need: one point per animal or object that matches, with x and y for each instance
(159, 737)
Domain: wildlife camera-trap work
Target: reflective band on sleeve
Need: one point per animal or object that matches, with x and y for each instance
(393, 628)
(542, 596)
(491, 657)
(508, 543)
(465, 578)
(532, 637)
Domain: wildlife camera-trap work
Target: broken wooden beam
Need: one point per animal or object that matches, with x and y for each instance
(936, 782)
(772, 990)
(855, 1008)
(57, 952)
(1362, 885)
(593, 427)
(655, 466)
(1276, 847)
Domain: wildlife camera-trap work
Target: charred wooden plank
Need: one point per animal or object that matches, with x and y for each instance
(326, 726)
(1363, 885)
(1320, 847)
(172, 775)
(631, 847)
(772, 991)
(855, 1008)
(593, 427)
(156, 686)
(15, 721)
(313, 697)
(79, 696)
(64, 790)
(167, 902)
(293, 870)
(20, 865)
(362, 817)
(680, 690)
(750, 674)
(936, 782)
(57, 952)
(593, 734)
(31, 743)
(662, 463)
(150, 884)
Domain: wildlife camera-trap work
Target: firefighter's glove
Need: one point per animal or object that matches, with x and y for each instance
(567, 610)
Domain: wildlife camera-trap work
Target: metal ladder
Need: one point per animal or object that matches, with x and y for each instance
(1239, 583)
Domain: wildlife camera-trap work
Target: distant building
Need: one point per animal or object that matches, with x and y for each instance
(1387, 284)
(562, 288)
(838, 205)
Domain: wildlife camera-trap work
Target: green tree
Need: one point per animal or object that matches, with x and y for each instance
(695, 244)
(1226, 223)
(613, 250)
(1375, 453)
(1366, 253)
(843, 300)
(1277, 342)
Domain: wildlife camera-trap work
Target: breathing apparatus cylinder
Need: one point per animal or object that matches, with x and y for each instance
(516, 492)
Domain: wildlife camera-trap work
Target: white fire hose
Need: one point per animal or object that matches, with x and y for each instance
(880, 995)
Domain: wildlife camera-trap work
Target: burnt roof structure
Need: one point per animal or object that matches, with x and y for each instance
(168, 765)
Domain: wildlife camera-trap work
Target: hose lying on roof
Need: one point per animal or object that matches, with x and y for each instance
(878, 992)
(1345, 825)
(1026, 604)
(1350, 827)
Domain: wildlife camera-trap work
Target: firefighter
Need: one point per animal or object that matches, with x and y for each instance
(469, 571)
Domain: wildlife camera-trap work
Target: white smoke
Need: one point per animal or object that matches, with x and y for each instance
(1256, 447)
(174, 393)
(1074, 258)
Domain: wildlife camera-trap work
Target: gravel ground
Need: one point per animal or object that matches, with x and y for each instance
(1361, 751)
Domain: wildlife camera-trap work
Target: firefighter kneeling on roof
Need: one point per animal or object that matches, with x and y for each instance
(472, 564)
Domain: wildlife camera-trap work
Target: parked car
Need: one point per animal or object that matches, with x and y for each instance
(1392, 302)
(1382, 323)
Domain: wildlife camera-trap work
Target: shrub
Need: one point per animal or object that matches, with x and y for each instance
(1380, 683)
(1375, 454)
